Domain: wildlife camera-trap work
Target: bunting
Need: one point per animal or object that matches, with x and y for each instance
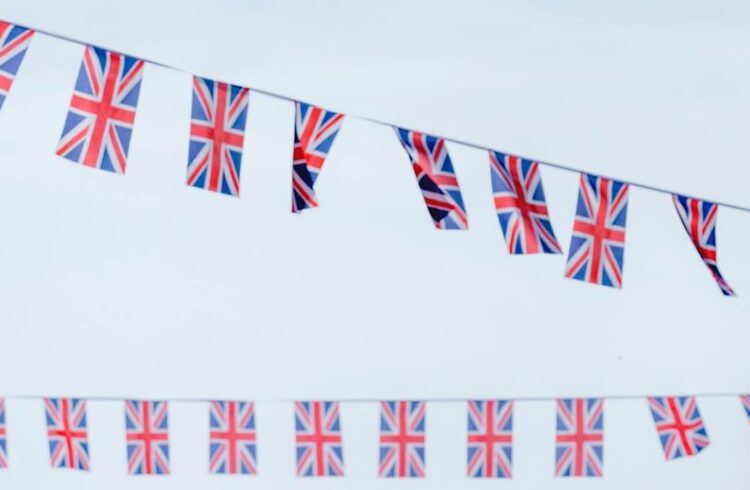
(147, 437)
(14, 40)
(232, 441)
(3, 437)
(436, 178)
(319, 449)
(520, 205)
(217, 134)
(699, 219)
(67, 433)
(597, 246)
(579, 442)
(100, 120)
(314, 131)
(679, 425)
(490, 439)
(402, 439)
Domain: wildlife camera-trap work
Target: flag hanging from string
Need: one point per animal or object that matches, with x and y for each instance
(217, 134)
(402, 439)
(521, 206)
(14, 41)
(699, 219)
(147, 437)
(679, 425)
(318, 433)
(99, 124)
(232, 440)
(315, 129)
(490, 439)
(579, 449)
(436, 179)
(67, 433)
(3, 437)
(597, 246)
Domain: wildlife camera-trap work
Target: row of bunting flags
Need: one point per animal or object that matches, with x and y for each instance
(579, 438)
(100, 120)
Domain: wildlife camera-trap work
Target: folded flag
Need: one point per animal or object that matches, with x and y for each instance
(67, 433)
(745, 399)
(520, 205)
(314, 131)
(679, 425)
(147, 437)
(579, 442)
(3, 437)
(490, 439)
(699, 219)
(232, 444)
(402, 439)
(14, 41)
(436, 178)
(217, 133)
(597, 246)
(100, 120)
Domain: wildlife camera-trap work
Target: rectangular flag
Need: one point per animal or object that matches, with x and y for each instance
(67, 433)
(3, 437)
(14, 41)
(521, 206)
(436, 179)
(314, 131)
(579, 449)
(100, 120)
(679, 425)
(597, 247)
(217, 133)
(147, 437)
(318, 432)
(745, 399)
(232, 445)
(699, 219)
(490, 439)
(402, 439)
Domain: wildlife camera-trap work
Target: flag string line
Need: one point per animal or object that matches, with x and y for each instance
(428, 399)
(450, 139)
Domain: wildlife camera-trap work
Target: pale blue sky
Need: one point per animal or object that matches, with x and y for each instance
(139, 286)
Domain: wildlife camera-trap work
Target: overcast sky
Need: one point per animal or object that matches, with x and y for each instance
(139, 286)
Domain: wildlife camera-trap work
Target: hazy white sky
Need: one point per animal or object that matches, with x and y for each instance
(138, 286)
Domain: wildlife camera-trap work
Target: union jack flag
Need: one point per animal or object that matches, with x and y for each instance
(14, 40)
(579, 449)
(520, 205)
(436, 178)
(314, 131)
(3, 442)
(490, 439)
(318, 429)
(217, 133)
(679, 425)
(67, 433)
(99, 125)
(699, 219)
(147, 437)
(402, 439)
(232, 438)
(745, 399)
(597, 247)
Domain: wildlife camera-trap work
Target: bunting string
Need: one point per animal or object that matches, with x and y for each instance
(457, 141)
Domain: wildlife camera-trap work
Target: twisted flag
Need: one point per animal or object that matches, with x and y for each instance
(699, 219)
(314, 131)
